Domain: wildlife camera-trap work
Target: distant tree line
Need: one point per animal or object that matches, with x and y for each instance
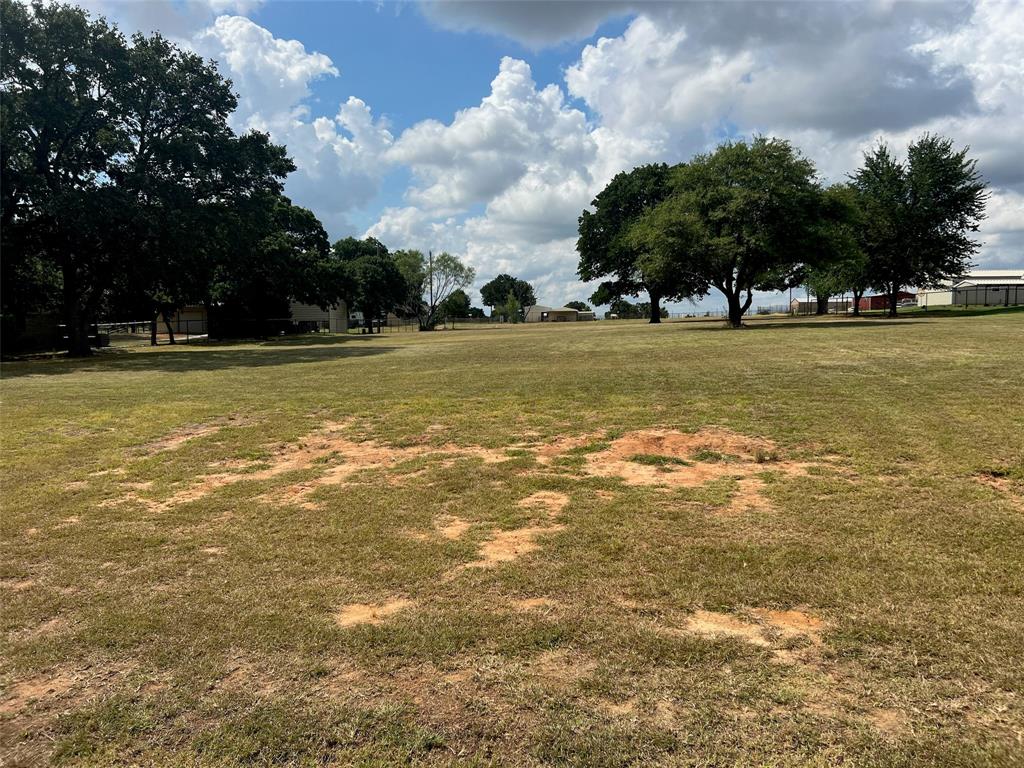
(753, 216)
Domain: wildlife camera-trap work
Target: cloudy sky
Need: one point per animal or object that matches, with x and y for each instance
(484, 128)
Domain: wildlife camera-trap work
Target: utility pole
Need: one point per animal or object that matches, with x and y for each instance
(430, 277)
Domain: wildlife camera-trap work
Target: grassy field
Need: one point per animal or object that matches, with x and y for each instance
(598, 544)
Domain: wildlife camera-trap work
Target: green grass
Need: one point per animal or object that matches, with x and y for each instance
(203, 632)
(657, 460)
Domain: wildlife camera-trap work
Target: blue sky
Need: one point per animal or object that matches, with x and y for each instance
(484, 128)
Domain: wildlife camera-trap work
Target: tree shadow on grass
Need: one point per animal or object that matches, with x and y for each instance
(206, 356)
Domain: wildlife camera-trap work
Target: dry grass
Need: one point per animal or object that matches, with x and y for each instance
(439, 549)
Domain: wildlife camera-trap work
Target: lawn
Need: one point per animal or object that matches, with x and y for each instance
(598, 544)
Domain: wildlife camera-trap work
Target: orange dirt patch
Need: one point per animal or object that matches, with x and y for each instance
(714, 624)
(548, 451)
(340, 457)
(748, 495)
(534, 604)
(1003, 485)
(549, 502)
(692, 459)
(505, 546)
(451, 527)
(43, 689)
(370, 613)
(182, 435)
(760, 627)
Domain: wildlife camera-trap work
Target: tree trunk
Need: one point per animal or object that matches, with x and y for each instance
(368, 322)
(78, 332)
(822, 308)
(655, 307)
(856, 302)
(170, 330)
(75, 317)
(153, 328)
(893, 292)
(735, 310)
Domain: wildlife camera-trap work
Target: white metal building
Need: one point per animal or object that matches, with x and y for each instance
(985, 287)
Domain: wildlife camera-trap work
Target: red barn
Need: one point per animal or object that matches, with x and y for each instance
(882, 302)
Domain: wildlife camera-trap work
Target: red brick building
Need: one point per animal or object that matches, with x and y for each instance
(882, 302)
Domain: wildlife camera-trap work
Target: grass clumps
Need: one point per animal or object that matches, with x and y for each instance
(658, 460)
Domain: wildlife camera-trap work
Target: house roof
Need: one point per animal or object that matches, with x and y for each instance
(1008, 276)
(980, 281)
(542, 308)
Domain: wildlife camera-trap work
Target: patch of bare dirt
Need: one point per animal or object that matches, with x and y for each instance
(713, 624)
(748, 496)
(561, 668)
(535, 604)
(1003, 485)
(451, 527)
(671, 459)
(561, 445)
(38, 689)
(183, 434)
(370, 613)
(550, 502)
(51, 626)
(889, 722)
(505, 546)
(761, 627)
(339, 456)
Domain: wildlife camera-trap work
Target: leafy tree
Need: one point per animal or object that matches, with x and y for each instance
(456, 305)
(511, 310)
(610, 248)
(580, 305)
(413, 267)
(837, 263)
(740, 219)
(495, 293)
(378, 286)
(122, 183)
(438, 277)
(918, 215)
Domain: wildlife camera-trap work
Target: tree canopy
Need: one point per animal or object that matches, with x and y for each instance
(918, 214)
(377, 284)
(123, 184)
(609, 248)
(496, 293)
